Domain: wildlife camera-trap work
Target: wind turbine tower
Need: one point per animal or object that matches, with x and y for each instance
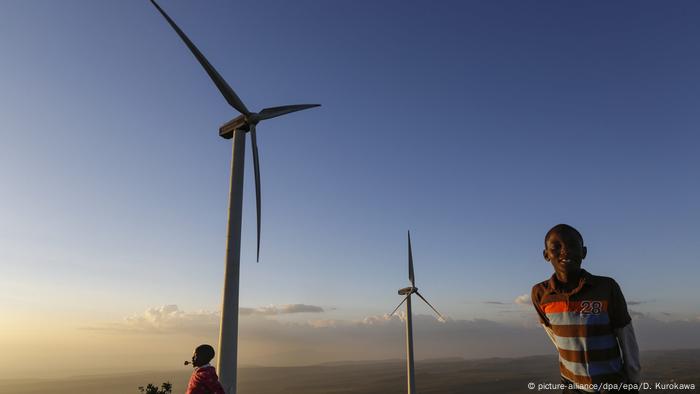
(407, 292)
(236, 128)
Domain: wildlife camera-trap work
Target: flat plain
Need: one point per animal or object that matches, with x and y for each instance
(496, 375)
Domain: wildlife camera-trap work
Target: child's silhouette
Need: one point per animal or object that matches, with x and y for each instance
(204, 379)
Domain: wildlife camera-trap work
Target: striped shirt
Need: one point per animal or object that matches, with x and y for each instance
(582, 325)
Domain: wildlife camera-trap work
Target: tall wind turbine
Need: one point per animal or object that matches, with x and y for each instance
(236, 128)
(407, 292)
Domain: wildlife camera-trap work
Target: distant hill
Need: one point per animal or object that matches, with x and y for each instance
(445, 376)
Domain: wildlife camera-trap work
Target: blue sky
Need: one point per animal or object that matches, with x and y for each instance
(477, 125)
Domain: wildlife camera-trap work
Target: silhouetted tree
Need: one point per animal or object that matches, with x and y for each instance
(165, 388)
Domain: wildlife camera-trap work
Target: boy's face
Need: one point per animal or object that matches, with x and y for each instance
(565, 251)
(197, 360)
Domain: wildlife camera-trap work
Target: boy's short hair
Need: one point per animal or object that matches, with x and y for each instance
(562, 227)
(206, 352)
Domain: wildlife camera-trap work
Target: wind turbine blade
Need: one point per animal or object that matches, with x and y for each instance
(256, 166)
(220, 83)
(431, 307)
(411, 277)
(273, 112)
(399, 306)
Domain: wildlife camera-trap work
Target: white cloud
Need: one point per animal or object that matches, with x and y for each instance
(522, 299)
(268, 339)
(383, 319)
(168, 319)
(165, 319)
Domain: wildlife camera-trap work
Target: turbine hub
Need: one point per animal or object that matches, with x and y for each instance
(253, 118)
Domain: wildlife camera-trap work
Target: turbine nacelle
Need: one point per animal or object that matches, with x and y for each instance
(408, 290)
(240, 122)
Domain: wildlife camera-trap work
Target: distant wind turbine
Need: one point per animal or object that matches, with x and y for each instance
(407, 291)
(236, 129)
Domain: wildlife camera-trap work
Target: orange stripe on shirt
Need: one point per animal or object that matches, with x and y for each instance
(590, 306)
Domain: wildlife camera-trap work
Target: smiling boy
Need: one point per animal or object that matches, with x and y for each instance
(586, 318)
